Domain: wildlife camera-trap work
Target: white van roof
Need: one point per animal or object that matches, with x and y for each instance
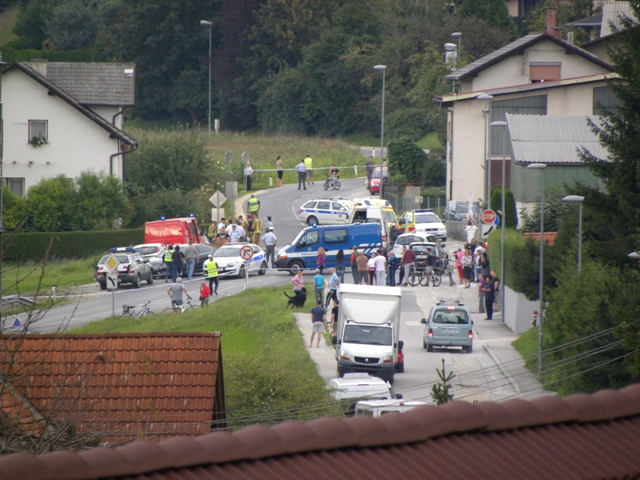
(359, 386)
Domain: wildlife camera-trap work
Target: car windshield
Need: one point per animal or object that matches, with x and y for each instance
(377, 174)
(228, 252)
(407, 240)
(427, 218)
(146, 250)
(462, 208)
(389, 216)
(367, 335)
(422, 248)
(455, 317)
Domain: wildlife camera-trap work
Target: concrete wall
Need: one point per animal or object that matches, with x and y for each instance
(519, 311)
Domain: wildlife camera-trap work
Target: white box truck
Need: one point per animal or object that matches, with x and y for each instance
(368, 335)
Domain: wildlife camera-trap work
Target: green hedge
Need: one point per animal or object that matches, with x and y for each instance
(23, 247)
(513, 242)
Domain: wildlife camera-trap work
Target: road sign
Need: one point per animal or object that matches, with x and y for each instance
(246, 252)
(217, 199)
(245, 158)
(487, 229)
(112, 263)
(227, 158)
(488, 216)
(217, 214)
(112, 280)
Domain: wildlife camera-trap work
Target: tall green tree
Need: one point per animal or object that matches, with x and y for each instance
(615, 214)
(407, 159)
(492, 12)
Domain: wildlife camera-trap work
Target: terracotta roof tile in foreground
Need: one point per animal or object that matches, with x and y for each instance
(578, 437)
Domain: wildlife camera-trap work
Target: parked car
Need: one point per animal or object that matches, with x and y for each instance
(458, 211)
(448, 325)
(425, 220)
(159, 268)
(325, 211)
(132, 268)
(230, 263)
(374, 185)
(149, 251)
(409, 238)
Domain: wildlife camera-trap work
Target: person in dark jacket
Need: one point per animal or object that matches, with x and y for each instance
(177, 261)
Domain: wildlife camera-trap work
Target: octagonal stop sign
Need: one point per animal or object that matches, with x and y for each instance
(488, 216)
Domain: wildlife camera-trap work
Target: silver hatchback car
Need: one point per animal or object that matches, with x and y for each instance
(448, 325)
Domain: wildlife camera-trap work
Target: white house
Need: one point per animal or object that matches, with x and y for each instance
(63, 119)
(539, 74)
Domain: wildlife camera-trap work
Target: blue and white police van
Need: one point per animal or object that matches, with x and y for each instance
(302, 252)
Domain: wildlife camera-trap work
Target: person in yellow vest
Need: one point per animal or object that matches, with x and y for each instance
(253, 205)
(212, 232)
(211, 273)
(308, 162)
(168, 263)
(257, 229)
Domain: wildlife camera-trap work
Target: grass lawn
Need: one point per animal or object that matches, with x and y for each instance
(430, 142)
(31, 278)
(268, 374)
(7, 22)
(527, 346)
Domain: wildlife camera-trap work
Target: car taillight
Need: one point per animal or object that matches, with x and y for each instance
(430, 334)
(412, 229)
(470, 334)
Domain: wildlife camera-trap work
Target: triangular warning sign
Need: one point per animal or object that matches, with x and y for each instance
(16, 324)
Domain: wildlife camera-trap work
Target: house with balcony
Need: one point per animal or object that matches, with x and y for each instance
(63, 118)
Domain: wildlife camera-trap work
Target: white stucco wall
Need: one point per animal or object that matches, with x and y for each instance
(514, 70)
(76, 143)
(467, 132)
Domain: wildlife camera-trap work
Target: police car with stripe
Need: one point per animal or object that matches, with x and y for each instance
(325, 211)
(230, 263)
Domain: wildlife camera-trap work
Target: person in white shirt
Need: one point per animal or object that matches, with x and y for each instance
(270, 240)
(240, 230)
(371, 267)
(248, 173)
(234, 236)
(380, 263)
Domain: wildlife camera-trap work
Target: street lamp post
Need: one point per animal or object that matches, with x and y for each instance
(382, 68)
(540, 166)
(503, 223)
(577, 199)
(485, 97)
(458, 35)
(209, 24)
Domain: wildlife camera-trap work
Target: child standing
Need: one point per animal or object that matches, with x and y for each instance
(205, 292)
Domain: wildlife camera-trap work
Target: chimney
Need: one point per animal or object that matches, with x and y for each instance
(552, 22)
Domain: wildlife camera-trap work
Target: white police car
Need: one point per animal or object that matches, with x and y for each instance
(230, 263)
(325, 211)
(425, 220)
(131, 269)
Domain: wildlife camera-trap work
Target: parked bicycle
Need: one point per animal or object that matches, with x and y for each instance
(130, 312)
(417, 276)
(176, 309)
(332, 182)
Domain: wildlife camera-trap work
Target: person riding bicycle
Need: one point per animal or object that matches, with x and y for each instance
(334, 172)
(431, 262)
(175, 291)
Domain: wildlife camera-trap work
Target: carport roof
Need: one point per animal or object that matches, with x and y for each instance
(553, 139)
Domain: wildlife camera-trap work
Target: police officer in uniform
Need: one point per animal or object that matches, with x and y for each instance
(211, 272)
(168, 263)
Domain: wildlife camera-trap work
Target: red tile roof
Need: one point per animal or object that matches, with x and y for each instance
(578, 437)
(112, 388)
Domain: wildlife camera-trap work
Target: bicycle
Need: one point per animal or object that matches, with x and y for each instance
(176, 309)
(332, 182)
(416, 276)
(130, 312)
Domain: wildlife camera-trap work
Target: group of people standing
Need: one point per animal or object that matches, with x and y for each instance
(175, 260)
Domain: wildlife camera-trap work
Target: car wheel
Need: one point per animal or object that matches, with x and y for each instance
(295, 267)
(103, 286)
(136, 282)
(469, 349)
(150, 280)
(241, 272)
(311, 220)
(341, 372)
(263, 268)
(429, 347)
(424, 344)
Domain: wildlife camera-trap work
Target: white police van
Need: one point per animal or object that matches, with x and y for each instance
(302, 252)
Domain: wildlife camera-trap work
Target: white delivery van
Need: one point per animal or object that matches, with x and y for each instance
(361, 385)
(377, 408)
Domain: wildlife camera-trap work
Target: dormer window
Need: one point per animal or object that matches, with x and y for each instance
(544, 72)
